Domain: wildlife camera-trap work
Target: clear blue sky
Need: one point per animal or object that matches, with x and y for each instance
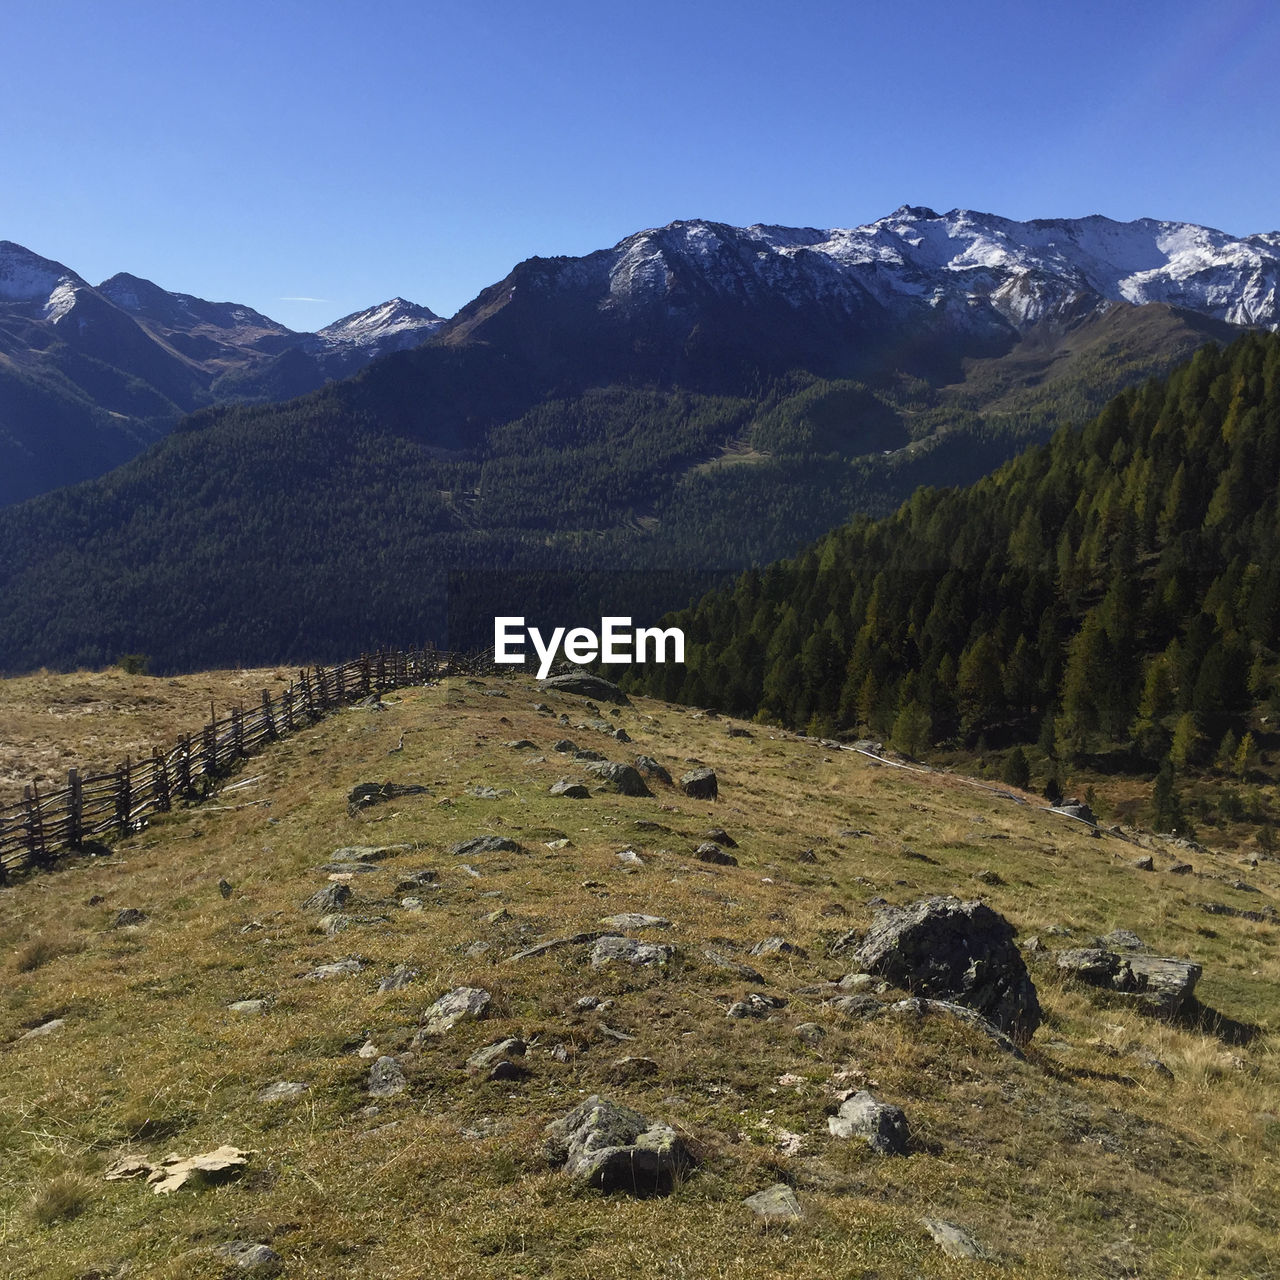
(278, 149)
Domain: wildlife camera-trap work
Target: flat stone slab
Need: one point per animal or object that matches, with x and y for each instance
(629, 951)
(282, 1090)
(368, 852)
(954, 1242)
(585, 686)
(554, 944)
(338, 969)
(485, 844)
(730, 965)
(634, 920)
(1161, 984)
(777, 1202)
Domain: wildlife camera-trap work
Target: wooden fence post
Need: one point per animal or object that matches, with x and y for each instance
(184, 766)
(36, 849)
(237, 732)
(75, 808)
(269, 716)
(160, 781)
(209, 749)
(124, 794)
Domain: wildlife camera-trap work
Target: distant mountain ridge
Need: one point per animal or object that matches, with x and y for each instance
(90, 375)
(696, 399)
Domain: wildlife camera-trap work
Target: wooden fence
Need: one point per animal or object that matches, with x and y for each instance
(40, 826)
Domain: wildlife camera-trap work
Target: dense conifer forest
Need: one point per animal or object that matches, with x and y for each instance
(1115, 588)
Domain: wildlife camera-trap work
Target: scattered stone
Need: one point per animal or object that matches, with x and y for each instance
(197, 1172)
(467, 869)
(807, 855)
(489, 793)
(989, 877)
(951, 1240)
(700, 784)
(249, 1006)
(1153, 1063)
(282, 1090)
(953, 950)
(367, 852)
(1145, 863)
(744, 971)
(634, 920)
(338, 969)
(477, 949)
(622, 735)
(777, 1202)
(250, 1257)
(587, 686)
(333, 897)
(386, 1078)
(736, 731)
(127, 918)
(779, 946)
(521, 744)
(859, 982)
(622, 777)
(630, 951)
(614, 1148)
(648, 766)
(462, 1004)
(554, 944)
(1124, 940)
(366, 794)
(624, 1070)
(334, 923)
(44, 1029)
(708, 851)
(570, 790)
(881, 1124)
(720, 836)
(629, 856)
(415, 880)
(564, 744)
(1160, 984)
(817, 1174)
(811, 1033)
(542, 706)
(368, 1050)
(1033, 945)
(398, 978)
(756, 1005)
(485, 844)
(580, 756)
(856, 1008)
(224, 888)
(1180, 869)
(917, 1007)
(487, 1060)
(498, 917)
(1077, 809)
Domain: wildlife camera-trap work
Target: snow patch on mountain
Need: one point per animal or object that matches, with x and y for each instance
(27, 277)
(393, 325)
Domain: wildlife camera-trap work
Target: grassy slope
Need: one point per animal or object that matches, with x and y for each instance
(91, 720)
(1079, 1162)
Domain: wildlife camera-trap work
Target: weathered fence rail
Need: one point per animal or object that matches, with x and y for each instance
(35, 830)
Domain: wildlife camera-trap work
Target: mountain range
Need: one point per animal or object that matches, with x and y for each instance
(697, 398)
(91, 375)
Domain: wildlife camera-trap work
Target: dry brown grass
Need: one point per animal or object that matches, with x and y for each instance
(1081, 1161)
(91, 720)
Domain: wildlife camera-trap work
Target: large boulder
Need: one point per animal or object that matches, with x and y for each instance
(614, 1148)
(587, 686)
(622, 777)
(880, 1124)
(700, 784)
(953, 950)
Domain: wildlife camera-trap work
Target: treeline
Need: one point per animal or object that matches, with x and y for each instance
(1117, 585)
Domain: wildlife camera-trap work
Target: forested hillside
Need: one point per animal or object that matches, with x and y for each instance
(1118, 585)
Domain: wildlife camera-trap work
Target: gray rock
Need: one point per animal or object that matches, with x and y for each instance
(777, 1202)
(398, 978)
(709, 851)
(366, 794)
(954, 1242)
(810, 1033)
(386, 1078)
(856, 1008)
(614, 1148)
(570, 790)
(521, 744)
(128, 917)
(554, 944)
(1180, 869)
(779, 946)
(586, 686)
(756, 1005)
(333, 897)
(1077, 809)
(580, 756)
(485, 1060)
(634, 920)
(622, 735)
(629, 951)
(1145, 863)
(250, 1258)
(721, 837)
(1159, 984)
(745, 971)
(700, 784)
(415, 880)
(630, 857)
(462, 1004)
(624, 1070)
(1124, 940)
(282, 1090)
(489, 793)
(881, 1124)
(622, 777)
(648, 766)
(334, 923)
(249, 1006)
(958, 951)
(224, 888)
(564, 745)
(485, 844)
(367, 852)
(338, 969)
(918, 1007)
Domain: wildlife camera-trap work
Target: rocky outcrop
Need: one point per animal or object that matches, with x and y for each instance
(609, 1146)
(1159, 984)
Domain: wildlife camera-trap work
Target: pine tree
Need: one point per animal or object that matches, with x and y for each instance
(1166, 807)
(1016, 771)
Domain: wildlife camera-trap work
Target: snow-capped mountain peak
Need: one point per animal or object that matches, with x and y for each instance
(388, 322)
